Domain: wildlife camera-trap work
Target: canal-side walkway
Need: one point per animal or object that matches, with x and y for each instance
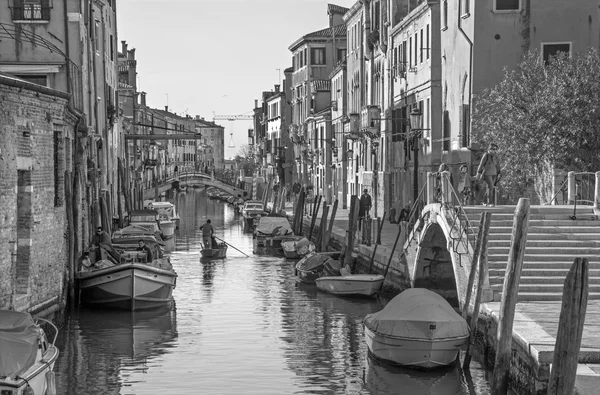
(535, 325)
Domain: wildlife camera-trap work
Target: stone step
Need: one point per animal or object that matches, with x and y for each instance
(542, 222)
(495, 229)
(542, 272)
(529, 257)
(533, 243)
(544, 236)
(498, 278)
(501, 265)
(544, 288)
(474, 217)
(581, 209)
(543, 296)
(564, 251)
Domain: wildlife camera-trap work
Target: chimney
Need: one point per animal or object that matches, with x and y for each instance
(124, 47)
(202, 118)
(277, 86)
(143, 103)
(197, 117)
(255, 103)
(167, 108)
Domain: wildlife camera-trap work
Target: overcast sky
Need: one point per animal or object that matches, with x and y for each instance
(215, 55)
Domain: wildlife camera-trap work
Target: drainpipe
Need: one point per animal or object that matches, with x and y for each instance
(466, 37)
(67, 52)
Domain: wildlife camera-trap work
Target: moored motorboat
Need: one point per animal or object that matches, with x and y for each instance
(167, 217)
(351, 284)
(417, 329)
(270, 233)
(296, 249)
(315, 265)
(131, 283)
(26, 356)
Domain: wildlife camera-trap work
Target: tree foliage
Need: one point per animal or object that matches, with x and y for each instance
(542, 117)
(245, 159)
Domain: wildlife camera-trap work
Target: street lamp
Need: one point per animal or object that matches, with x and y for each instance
(416, 126)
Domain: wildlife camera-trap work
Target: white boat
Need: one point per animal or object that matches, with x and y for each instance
(417, 329)
(167, 217)
(26, 357)
(351, 285)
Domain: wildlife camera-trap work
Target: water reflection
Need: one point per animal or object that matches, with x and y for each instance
(384, 379)
(243, 325)
(99, 346)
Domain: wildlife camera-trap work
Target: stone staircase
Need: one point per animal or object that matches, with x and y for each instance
(554, 240)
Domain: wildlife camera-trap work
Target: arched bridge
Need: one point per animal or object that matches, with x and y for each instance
(440, 246)
(197, 179)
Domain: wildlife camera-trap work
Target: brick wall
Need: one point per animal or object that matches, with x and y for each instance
(33, 249)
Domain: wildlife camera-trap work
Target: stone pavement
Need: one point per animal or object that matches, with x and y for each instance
(536, 323)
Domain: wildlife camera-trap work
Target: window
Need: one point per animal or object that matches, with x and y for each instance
(507, 5)
(421, 44)
(36, 79)
(341, 54)
(409, 52)
(445, 15)
(317, 56)
(31, 10)
(416, 48)
(550, 50)
(428, 49)
(466, 8)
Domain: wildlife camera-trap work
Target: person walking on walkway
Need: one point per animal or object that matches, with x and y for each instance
(364, 206)
(464, 185)
(489, 171)
(207, 232)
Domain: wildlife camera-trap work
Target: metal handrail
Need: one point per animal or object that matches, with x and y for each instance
(53, 326)
(414, 211)
(560, 189)
(457, 211)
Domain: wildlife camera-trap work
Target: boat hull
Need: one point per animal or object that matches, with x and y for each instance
(414, 353)
(132, 286)
(356, 284)
(168, 228)
(214, 253)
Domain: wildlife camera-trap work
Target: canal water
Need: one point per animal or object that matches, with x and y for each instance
(242, 325)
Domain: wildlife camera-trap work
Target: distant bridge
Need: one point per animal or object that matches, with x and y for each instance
(197, 179)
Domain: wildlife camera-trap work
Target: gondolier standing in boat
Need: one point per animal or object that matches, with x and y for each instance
(207, 232)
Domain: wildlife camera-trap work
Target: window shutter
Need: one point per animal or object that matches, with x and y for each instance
(46, 10)
(17, 10)
(466, 125)
(447, 132)
(461, 121)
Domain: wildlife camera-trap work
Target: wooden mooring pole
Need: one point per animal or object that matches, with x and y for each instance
(322, 228)
(481, 262)
(510, 294)
(346, 256)
(380, 223)
(570, 329)
(474, 265)
(330, 227)
(314, 216)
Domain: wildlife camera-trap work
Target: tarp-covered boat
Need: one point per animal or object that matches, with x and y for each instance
(296, 249)
(418, 328)
(270, 232)
(26, 356)
(316, 265)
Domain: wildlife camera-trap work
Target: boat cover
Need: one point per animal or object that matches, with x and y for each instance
(275, 226)
(311, 262)
(418, 313)
(18, 342)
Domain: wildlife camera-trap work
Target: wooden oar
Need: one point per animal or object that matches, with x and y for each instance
(232, 246)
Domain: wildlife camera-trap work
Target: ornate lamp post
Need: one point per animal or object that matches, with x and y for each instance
(416, 128)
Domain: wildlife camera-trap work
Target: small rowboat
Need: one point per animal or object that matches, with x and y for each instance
(214, 253)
